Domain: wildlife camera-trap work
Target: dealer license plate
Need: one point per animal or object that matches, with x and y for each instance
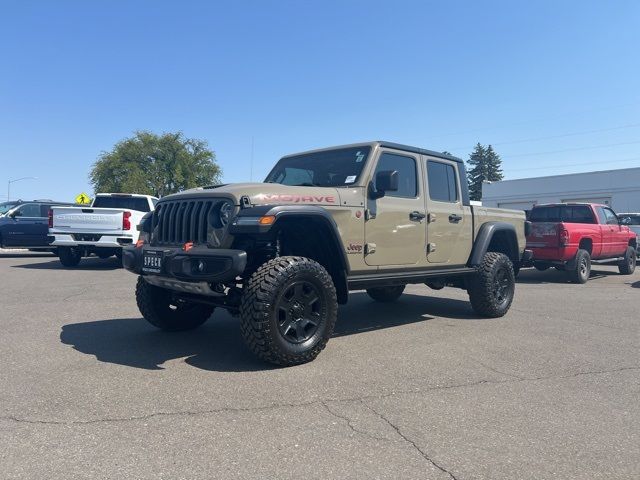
(152, 261)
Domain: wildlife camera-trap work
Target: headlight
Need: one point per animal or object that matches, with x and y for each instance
(221, 214)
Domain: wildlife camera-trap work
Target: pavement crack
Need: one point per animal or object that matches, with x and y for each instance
(349, 423)
(410, 442)
(186, 413)
(495, 370)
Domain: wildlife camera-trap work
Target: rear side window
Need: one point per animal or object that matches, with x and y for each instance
(126, 203)
(442, 182)
(562, 213)
(406, 168)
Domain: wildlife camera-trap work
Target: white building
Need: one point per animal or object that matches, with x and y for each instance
(618, 188)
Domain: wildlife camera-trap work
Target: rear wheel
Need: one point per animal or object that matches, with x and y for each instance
(580, 273)
(160, 309)
(386, 294)
(628, 264)
(69, 257)
(492, 287)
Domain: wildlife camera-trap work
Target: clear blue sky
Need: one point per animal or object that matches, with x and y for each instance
(294, 75)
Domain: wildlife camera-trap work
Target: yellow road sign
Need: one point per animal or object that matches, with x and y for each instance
(83, 199)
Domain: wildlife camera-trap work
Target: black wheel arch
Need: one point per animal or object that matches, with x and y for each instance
(498, 237)
(308, 230)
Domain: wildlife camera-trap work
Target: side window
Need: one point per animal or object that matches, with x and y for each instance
(30, 210)
(154, 202)
(442, 182)
(611, 217)
(407, 176)
(602, 218)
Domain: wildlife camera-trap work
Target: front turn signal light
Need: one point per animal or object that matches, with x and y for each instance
(268, 220)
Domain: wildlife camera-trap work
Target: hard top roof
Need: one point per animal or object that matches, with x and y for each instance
(382, 143)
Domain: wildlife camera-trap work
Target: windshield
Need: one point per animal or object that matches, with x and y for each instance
(6, 206)
(139, 204)
(331, 168)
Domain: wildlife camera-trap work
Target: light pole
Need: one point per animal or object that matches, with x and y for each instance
(16, 180)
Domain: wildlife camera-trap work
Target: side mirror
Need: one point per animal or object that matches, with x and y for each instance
(386, 181)
(15, 214)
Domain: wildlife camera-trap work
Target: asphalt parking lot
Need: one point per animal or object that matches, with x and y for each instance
(418, 389)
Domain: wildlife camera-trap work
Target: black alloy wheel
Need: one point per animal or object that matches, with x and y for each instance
(299, 310)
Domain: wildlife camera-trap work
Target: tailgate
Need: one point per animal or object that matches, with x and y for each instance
(544, 234)
(78, 219)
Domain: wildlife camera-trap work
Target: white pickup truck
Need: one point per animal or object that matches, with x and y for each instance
(103, 228)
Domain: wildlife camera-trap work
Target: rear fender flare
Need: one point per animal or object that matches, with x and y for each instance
(483, 240)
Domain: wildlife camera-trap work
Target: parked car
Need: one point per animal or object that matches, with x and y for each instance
(6, 206)
(24, 224)
(634, 226)
(569, 236)
(102, 229)
(282, 254)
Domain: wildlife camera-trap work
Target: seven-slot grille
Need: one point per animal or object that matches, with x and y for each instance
(182, 221)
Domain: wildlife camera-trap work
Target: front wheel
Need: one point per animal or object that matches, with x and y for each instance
(628, 264)
(288, 310)
(69, 257)
(492, 287)
(160, 309)
(386, 294)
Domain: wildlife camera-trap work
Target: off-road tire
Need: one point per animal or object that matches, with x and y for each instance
(541, 267)
(580, 273)
(262, 307)
(628, 264)
(386, 294)
(492, 287)
(69, 257)
(158, 308)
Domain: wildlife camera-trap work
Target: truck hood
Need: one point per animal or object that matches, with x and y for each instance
(268, 194)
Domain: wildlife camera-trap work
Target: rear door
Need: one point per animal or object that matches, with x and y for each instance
(447, 221)
(396, 226)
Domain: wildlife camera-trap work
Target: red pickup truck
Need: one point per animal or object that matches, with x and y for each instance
(569, 235)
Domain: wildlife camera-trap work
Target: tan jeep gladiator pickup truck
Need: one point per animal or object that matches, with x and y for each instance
(284, 253)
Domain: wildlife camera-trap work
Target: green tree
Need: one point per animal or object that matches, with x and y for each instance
(155, 165)
(485, 165)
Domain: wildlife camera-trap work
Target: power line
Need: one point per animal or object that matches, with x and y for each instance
(634, 159)
(573, 149)
(538, 120)
(585, 132)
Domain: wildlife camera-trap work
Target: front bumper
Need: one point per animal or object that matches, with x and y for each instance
(199, 264)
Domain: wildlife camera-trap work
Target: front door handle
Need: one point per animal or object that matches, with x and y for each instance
(417, 216)
(453, 218)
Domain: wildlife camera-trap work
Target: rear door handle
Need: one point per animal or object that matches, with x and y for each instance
(417, 216)
(453, 218)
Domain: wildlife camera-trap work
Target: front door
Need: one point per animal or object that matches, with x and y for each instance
(23, 228)
(447, 219)
(618, 242)
(395, 232)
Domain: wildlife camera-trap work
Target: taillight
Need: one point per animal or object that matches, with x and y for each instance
(50, 218)
(564, 237)
(126, 223)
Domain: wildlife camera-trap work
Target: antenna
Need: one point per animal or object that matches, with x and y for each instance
(251, 167)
